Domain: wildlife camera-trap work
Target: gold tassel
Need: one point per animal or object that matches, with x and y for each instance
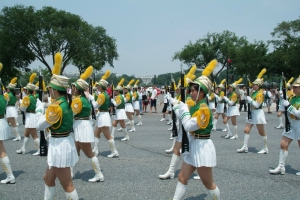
(106, 75)
(32, 77)
(87, 73)
(57, 65)
(210, 68)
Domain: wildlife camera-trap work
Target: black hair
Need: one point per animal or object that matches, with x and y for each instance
(81, 93)
(67, 95)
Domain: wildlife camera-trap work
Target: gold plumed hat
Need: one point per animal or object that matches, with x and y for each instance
(136, 84)
(297, 82)
(119, 86)
(103, 83)
(288, 84)
(128, 86)
(234, 85)
(13, 83)
(81, 84)
(203, 81)
(259, 80)
(44, 86)
(221, 85)
(57, 81)
(30, 85)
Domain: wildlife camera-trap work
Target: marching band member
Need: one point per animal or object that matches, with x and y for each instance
(29, 105)
(293, 109)
(233, 110)
(220, 106)
(62, 152)
(258, 116)
(135, 102)
(128, 105)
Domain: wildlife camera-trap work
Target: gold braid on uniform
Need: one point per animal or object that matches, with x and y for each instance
(127, 96)
(101, 99)
(76, 105)
(6, 96)
(222, 94)
(118, 100)
(234, 97)
(54, 114)
(202, 116)
(190, 102)
(25, 102)
(259, 97)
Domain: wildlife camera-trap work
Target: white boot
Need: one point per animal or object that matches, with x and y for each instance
(95, 150)
(72, 171)
(128, 122)
(126, 138)
(229, 134)
(170, 173)
(37, 145)
(132, 126)
(72, 195)
(49, 192)
(281, 166)
(96, 167)
(215, 124)
(113, 129)
(16, 120)
(119, 129)
(169, 122)
(280, 123)
(23, 149)
(214, 194)
(171, 149)
(245, 146)
(16, 131)
(265, 148)
(140, 121)
(114, 152)
(235, 136)
(180, 191)
(196, 178)
(10, 179)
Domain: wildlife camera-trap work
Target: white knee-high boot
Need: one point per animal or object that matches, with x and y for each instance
(16, 131)
(114, 152)
(95, 150)
(235, 135)
(171, 149)
(281, 166)
(245, 146)
(180, 191)
(229, 133)
(37, 145)
(215, 124)
(140, 121)
(170, 173)
(10, 179)
(113, 130)
(280, 122)
(265, 148)
(96, 167)
(126, 134)
(49, 192)
(214, 194)
(23, 149)
(72, 195)
(132, 126)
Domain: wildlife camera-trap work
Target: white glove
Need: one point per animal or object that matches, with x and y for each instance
(113, 101)
(285, 102)
(173, 101)
(207, 95)
(226, 99)
(249, 99)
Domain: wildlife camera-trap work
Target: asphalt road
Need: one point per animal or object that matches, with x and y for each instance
(134, 175)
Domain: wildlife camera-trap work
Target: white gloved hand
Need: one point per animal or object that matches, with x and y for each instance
(113, 101)
(226, 99)
(249, 99)
(285, 102)
(207, 95)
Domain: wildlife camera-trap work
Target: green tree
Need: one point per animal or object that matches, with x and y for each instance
(30, 34)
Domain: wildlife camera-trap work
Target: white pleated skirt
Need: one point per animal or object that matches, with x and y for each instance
(220, 108)
(169, 108)
(103, 119)
(4, 130)
(179, 138)
(30, 120)
(120, 114)
(258, 117)
(62, 152)
(294, 133)
(11, 111)
(211, 105)
(202, 153)
(83, 131)
(128, 107)
(232, 111)
(136, 105)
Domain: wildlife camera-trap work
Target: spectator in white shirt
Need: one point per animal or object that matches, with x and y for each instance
(243, 94)
(268, 99)
(153, 99)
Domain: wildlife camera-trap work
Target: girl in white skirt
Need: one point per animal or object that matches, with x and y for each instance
(136, 103)
(197, 121)
(293, 109)
(62, 152)
(4, 135)
(29, 105)
(220, 105)
(82, 127)
(103, 121)
(11, 110)
(120, 116)
(128, 105)
(233, 110)
(258, 117)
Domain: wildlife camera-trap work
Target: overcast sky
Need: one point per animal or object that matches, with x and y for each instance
(149, 32)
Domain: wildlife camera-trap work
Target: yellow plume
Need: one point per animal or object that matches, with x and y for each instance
(291, 79)
(131, 82)
(193, 77)
(137, 81)
(14, 80)
(263, 71)
(192, 71)
(57, 64)
(32, 77)
(106, 75)
(210, 68)
(87, 73)
(238, 81)
(1, 66)
(223, 81)
(121, 82)
(37, 84)
(174, 85)
(44, 86)
(250, 84)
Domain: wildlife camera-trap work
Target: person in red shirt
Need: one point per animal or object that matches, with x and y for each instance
(109, 91)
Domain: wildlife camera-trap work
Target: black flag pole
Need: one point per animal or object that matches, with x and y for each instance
(185, 140)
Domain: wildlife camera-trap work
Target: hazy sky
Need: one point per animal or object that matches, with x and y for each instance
(149, 32)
